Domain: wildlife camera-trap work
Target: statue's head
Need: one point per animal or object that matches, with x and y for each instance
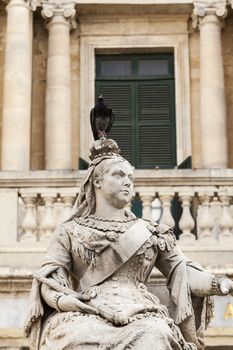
(109, 174)
(113, 182)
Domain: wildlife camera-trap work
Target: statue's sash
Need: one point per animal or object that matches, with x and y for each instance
(116, 254)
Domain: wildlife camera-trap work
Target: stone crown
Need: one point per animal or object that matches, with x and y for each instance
(104, 147)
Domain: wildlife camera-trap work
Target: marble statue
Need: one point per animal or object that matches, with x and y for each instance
(91, 291)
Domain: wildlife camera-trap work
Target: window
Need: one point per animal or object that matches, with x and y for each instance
(140, 89)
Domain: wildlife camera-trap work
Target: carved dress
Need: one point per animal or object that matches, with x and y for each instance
(129, 317)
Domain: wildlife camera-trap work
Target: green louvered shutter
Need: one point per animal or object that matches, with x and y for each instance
(155, 125)
(145, 113)
(119, 96)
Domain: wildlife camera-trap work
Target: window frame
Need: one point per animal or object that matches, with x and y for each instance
(135, 81)
(90, 45)
(134, 58)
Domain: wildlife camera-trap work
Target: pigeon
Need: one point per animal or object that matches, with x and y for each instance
(101, 118)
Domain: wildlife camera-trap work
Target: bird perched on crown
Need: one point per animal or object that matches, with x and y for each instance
(101, 118)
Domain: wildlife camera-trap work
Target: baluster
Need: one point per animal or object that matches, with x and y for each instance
(206, 221)
(167, 217)
(216, 211)
(68, 197)
(48, 222)
(226, 221)
(58, 209)
(29, 224)
(156, 210)
(68, 204)
(146, 205)
(186, 223)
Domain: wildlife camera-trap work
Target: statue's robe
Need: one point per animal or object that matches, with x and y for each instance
(116, 270)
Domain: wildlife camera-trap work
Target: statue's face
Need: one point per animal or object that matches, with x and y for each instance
(116, 184)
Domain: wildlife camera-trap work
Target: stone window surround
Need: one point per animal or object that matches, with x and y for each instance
(179, 43)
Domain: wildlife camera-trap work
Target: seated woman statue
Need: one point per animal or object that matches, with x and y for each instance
(91, 290)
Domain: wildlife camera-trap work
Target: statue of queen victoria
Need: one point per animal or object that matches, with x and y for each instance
(91, 291)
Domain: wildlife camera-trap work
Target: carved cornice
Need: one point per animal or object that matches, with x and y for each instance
(208, 7)
(58, 7)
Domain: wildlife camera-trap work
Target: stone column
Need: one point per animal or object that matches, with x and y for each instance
(208, 15)
(16, 122)
(58, 91)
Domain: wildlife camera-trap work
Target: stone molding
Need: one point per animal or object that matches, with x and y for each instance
(10, 180)
(32, 4)
(59, 8)
(208, 7)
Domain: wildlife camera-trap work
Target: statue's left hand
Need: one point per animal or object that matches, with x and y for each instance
(226, 286)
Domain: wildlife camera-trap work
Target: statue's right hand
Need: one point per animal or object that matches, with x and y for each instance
(70, 303)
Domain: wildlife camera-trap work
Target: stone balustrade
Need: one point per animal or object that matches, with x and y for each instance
(41, 210)
(196, 213)
(197, 204)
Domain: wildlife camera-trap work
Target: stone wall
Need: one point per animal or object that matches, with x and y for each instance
(2, 48)
(227, 40)
(75, 96)
(195, 96)
(40, 44)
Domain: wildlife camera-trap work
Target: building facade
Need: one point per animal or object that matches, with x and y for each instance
(166, 68)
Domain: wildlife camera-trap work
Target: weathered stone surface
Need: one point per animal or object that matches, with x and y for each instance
(40, 42)
(75, 96)
(228, 75)
(2, 55)
(8, 211)
(195, 97)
